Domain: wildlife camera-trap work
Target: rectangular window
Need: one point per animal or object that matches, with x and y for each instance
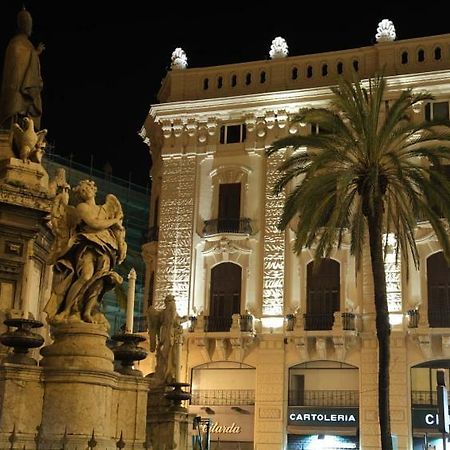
(232, 134)
(436, 111)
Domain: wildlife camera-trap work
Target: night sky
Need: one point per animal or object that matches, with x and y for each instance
(104, 63)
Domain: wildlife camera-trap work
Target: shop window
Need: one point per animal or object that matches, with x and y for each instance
(225, 296)
(436, 111)
(322, 285)
(438, 285)
(232, 134)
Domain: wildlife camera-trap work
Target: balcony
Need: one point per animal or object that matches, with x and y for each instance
(223, 397)
(227, 226)
(423, 398)
(323, 398)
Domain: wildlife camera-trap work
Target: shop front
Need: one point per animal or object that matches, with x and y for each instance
(312, 428)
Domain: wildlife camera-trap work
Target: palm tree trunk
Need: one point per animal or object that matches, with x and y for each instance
(382, 321)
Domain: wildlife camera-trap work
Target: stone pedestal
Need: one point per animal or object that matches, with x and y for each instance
(79, 387)
(27, 175)
(21, 399)
(84, 395)
(167, 426)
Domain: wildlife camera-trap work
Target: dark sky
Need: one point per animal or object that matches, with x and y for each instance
(104, 60)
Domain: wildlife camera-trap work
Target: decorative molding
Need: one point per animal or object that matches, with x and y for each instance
(175, 231)
(274, 242)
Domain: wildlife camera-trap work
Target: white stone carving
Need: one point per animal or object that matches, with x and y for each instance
(273, 275)
(385, 31)
(282, 118)
(178, 59)
(279, 48)
(191, 127)
(175, 232)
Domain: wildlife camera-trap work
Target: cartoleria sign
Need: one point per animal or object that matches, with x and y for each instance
(323, 417)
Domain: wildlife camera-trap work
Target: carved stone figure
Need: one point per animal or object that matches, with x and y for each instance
(165, 332)
(386, 31)
(30, 145)
(22, 83)
(279, 48)
(89, 242)
(178, 59)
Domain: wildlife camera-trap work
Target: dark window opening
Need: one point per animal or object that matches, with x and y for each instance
(436, 111)
(323, 284)
(233, 134)
(294, 73)
(205, 84)
(421, 55)
(248, 79)
(309, 72)
(438, 274)
(233, 80)
(437, 53)
(356, 65)
(219, 82)
(225, 296)
(262, 77)
(325, 70)
(340, 68)
(405, 58)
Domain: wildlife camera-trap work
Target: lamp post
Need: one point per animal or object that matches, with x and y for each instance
(442, 400)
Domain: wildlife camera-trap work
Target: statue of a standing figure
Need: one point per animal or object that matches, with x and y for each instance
(89, 242)
(22, 82)
(165, 332)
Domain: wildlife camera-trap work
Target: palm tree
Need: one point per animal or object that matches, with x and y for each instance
(370, 168)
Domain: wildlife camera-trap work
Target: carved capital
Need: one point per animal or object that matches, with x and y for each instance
(191, 127)
(166, 127)
(282, 118)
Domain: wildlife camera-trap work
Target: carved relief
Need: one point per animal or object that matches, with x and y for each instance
(175, 232)
(273, 276)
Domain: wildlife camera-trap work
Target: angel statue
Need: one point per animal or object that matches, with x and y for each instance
(165, 332)
(89, 242)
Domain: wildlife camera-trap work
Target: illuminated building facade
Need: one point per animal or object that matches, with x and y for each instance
(280, 356)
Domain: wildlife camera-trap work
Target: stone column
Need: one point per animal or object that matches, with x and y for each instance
(270, 406)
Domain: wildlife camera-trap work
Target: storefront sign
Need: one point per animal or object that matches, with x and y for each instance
(425, 418)
(323, 417)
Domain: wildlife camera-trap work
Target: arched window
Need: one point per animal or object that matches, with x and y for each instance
(438, 275)
(322, 300)
(421, 55)
(262, 77)
(325, 70)
(219, 82)
(356, 65)
(233, 80)
(294, 73)
(437, 53)
(248, 78)
(340, 68)
(205, 84)
(309, 72)
(405, 58)
(225, 296)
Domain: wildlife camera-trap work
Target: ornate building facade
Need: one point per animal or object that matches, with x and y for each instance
(280, 356)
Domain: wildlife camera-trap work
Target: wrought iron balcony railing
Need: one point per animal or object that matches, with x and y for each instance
(423, 398)
(323, 398)
(236, 226)
(223, 397)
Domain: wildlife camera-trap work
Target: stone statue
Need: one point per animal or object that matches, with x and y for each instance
(22, 83)
(30, 145)
(89, 242)
(165, 332)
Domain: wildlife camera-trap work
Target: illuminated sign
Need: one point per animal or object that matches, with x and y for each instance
(323, 417)
(217, 428)
(425, 418)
